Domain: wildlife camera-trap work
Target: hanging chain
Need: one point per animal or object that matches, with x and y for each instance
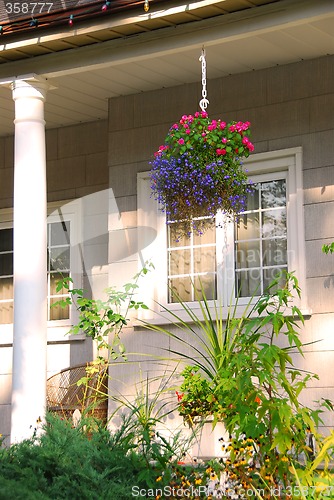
(203, 103)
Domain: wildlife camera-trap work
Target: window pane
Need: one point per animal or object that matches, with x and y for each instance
(6, 288)
(274, 252)
(59, 233)
(182, 287)
(248, 283)
(274, 223)
(273, 194)
(270, 274)
(207, 238)
(179, 262)
(6, 264)
(6, 313)
(54, 278)
(59, 258)
(248, 254)
(205, 285)
(58, 312)
(174, 238)
(6, 240)
(248, 226)
(253, 198)
(205, 259)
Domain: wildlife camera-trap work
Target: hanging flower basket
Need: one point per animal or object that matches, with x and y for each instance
(199, 171)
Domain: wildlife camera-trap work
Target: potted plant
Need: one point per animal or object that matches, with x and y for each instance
(198, 170)
(199, 406)
(196, 397)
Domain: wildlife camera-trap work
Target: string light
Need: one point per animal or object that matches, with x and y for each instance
(62, 16)
(105, 6)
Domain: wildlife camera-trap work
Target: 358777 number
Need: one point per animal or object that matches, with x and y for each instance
(297, 491)
(28, 7)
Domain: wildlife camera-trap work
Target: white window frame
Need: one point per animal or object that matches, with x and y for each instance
(69, 211)
(57, 212)
(153, 235)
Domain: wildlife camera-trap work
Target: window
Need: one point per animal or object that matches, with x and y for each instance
(260, 238)
(6, 275)
(60, 261)
(58, 265)
(232, 259)
(259, 241)
(191, 260)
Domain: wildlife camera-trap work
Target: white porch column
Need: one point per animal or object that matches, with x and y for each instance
(30, 259)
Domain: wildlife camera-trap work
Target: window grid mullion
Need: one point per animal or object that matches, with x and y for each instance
(261, 241)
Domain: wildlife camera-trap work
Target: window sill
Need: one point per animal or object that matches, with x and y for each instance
(177, 315)
(55, 334)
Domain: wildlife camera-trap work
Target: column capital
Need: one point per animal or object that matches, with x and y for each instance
(29, 94)
(30, 85)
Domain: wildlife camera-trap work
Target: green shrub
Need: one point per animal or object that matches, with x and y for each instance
(66, 462)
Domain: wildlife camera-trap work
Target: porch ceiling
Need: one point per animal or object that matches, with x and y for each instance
(161, 49)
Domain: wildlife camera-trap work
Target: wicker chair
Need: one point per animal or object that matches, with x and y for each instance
(64, 395)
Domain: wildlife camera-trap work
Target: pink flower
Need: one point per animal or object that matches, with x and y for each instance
(249, 145)
(241, 126)
(186, 118)
(188, 131)
(196, 114)
(212, 125)
(221, 151)
(204, 114)
(175, 126)
(222, 125)
(181, 141)
(224, 140)
(160, 150)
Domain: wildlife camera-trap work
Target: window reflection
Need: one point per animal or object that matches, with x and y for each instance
(191, 264)
(58, 266)
(261, 239)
